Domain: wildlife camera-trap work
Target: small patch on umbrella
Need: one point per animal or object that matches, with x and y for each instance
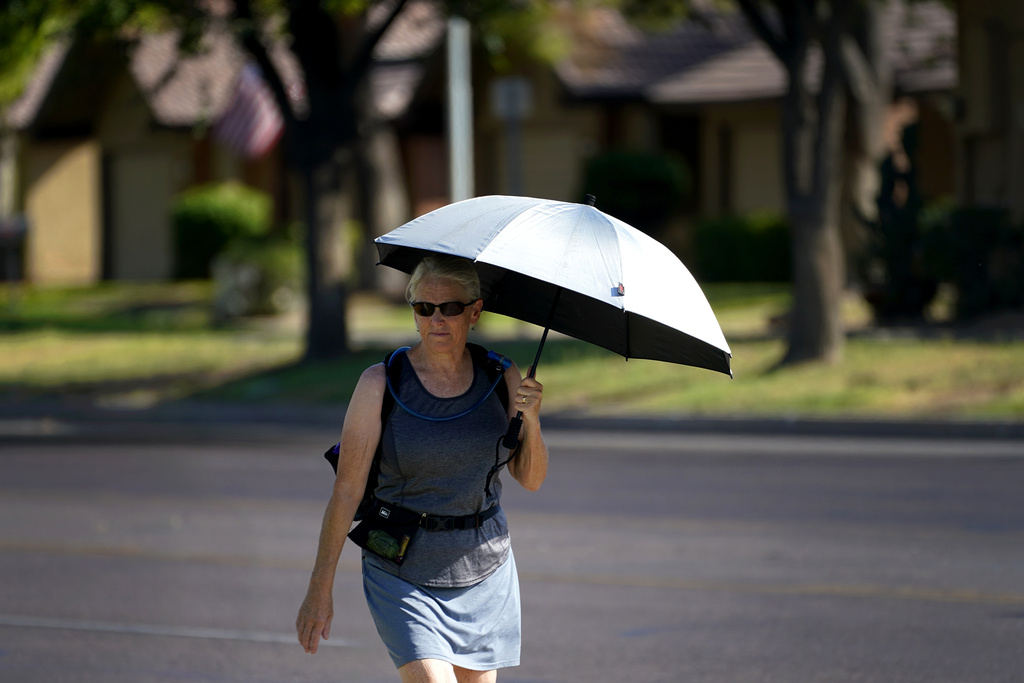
(619, 291)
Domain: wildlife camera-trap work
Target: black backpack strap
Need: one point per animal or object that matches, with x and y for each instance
(393, 370)
(495, 365)
(387, 404)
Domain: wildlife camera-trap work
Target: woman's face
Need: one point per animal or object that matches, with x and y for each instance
(441, 333)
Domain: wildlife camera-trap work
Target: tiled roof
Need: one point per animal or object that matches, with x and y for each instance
(713, 57)
(717, 58)
(924, 47)
(23, 110)
(415, 34)
(183, 90)
(746, 72)
(615, 59)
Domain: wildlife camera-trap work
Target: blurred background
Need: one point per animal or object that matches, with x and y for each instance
(189, 192)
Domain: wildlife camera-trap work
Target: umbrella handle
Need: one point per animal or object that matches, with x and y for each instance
(515, 425)
(511, 439)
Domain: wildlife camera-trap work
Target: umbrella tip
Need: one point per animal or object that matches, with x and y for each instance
(589, 200)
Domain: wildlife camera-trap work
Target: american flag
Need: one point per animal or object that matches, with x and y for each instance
(251, 124)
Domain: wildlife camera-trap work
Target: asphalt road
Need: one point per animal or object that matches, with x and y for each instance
(169, 555)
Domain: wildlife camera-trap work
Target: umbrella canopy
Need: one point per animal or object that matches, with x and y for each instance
(574, 269)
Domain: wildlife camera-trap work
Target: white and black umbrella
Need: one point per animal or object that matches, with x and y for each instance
(574, 269)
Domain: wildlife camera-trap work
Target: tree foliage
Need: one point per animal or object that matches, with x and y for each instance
(333, 42)
(843, 35)
(325, 134)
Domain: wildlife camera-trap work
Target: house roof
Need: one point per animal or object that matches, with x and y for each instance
(23, 110)
(614, 59)
(400, 56)
(183, 90)
(712, 57)
(716, 57)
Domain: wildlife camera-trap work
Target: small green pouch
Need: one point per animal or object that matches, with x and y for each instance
(387, 530)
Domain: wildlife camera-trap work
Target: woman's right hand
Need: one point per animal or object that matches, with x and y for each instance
(359, 437)
(314, 620)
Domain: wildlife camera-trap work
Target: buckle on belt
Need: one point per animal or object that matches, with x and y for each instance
(439, 524)
(431, 523)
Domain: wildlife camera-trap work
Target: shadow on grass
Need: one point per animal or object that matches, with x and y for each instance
(333, 381)
(108, 307)
(157, 318)
(160, 385)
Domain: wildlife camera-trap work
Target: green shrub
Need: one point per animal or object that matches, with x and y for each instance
(935, 225)
(640, 188)
(258, 277)
(987, 258)
(206, 218)
(752, 248)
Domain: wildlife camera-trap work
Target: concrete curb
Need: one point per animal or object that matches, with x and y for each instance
(205, 416)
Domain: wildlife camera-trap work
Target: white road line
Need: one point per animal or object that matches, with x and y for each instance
(774, 445)
(917, 593)
(33, 427)
(163, 630)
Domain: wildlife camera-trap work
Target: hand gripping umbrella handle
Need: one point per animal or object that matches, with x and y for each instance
(511, 439)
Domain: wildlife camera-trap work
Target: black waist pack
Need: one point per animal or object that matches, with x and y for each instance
(386, 530)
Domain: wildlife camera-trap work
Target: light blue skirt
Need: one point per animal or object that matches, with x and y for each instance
(476, 628)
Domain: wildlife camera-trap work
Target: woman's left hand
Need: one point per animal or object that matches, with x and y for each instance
(528, 397)
(530, 466)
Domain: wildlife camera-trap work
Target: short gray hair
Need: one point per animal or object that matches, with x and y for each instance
(454, 268)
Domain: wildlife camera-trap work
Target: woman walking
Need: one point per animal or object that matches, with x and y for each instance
(443, 591)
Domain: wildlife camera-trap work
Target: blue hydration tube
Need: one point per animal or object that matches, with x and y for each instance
(506, 363)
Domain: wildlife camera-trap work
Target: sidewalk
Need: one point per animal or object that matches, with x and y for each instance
(54, 418)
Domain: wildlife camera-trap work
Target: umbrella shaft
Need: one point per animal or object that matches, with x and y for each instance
(511, 438)
(544, 337)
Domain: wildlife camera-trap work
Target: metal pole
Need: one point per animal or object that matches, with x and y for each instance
(460, 111)
(514, 141)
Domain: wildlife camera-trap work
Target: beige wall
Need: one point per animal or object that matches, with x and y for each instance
(140, 196)
(553, 164)
(991, 127)
(740, 151)
(741, 160)
(63, 197)
(62, 201)
(145, 169)
(756, 167)
(556, 139)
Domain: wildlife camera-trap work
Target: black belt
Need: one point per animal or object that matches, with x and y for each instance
(436, 523)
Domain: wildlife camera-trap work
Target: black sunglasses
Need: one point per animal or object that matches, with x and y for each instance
(448, 308)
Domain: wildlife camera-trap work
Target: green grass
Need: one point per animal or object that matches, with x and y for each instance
(139, 345)
(880, 379)
(143, 307)
(131, 343)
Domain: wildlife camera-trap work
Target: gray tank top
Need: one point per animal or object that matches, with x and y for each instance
(440, 468)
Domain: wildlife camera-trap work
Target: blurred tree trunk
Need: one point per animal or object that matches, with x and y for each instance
(326, 331)
(334, 53)
(813, 149)
(368, 186)
(813, 126)
(871, 94)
